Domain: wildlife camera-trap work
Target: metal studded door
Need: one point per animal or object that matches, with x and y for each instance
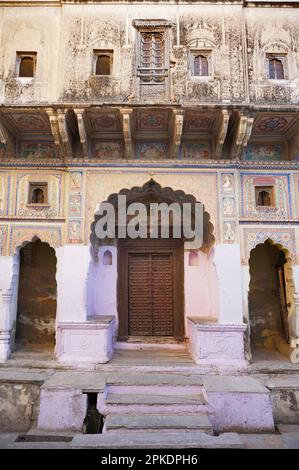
(150, 296)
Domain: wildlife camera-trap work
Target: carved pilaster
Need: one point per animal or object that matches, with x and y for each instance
(294, 330)
(5, 333)
(126, 115)
(6, 138)
(82, 131)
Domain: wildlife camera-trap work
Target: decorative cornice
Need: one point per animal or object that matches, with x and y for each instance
(199, 164)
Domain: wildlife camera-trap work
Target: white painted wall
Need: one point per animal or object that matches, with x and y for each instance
(201, 299)
(227, 262)
(72, 273)
(104, 284)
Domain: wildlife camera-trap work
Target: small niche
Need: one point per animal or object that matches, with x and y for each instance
(93, 421)
(193, 258)
(107, 258)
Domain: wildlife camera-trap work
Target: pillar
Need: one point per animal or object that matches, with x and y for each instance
(9, 275)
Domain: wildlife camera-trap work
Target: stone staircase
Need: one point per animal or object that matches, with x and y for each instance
(155, 402)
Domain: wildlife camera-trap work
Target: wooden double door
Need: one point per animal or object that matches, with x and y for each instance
(150, 289)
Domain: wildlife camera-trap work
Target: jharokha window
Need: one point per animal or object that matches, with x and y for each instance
(152, 63)
(38, 193)
(26, 64)
(103, 61)
(276, 67)
(264, 196)
(200, 66)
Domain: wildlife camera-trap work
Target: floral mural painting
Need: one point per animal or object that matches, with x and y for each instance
(107, 150)
(151, 150)
(194, 150)
(264, 152)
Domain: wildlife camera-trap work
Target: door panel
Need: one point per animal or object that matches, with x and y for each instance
(162, 295)
(140, 301)
(150, 294)
(150, 288)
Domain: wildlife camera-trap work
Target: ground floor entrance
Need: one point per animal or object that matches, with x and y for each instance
(150, 289)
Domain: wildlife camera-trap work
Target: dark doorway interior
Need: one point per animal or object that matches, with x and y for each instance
(37, 296)
(267, 297)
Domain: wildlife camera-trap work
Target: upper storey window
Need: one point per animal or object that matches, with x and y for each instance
(264, 196)
(152, 63)
(200, 63)
(103, 61)
(38, 193)
(200, 66)
(276, 67)
(26, 64)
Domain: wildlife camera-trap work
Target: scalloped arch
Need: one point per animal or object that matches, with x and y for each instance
(152, 191)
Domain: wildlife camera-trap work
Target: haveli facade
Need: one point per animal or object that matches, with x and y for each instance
(162, 101)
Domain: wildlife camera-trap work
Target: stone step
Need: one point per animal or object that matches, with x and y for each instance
(174, 379)
(157, 440)
(167, 384)
(147, 403)
(158, 422)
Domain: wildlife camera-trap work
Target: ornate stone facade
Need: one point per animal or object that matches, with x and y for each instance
(84, 136)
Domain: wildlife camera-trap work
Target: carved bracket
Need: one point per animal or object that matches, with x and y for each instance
(53, 119)
(64, 132)
(221, 133)
(126, 115)
(82, 130)
(242, 135)
(6, 138)
(178, 121)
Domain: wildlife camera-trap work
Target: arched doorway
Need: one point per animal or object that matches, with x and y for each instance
(269, 297)
(150, 272)
(36, 308)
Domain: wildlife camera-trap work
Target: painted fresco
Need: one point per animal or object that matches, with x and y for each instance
(264, 152)
(38, 150)
(107, 150)
(151, 150)
(194, 150)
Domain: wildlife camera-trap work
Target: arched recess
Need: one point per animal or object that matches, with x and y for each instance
(270, 297)
(36, 296)
(153, 262)
(152, 192)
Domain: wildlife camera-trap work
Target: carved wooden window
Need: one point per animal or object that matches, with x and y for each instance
(152, 61)
(26, 63)
(200, 66)
(276, 67)
(264, 196)
(38, 193)
(103, 61)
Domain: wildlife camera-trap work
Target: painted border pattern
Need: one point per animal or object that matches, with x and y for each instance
(75, 208)
(254, 236)
(25, 233)
(3, 239)
(229, 208)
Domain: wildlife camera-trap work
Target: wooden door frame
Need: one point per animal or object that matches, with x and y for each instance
(174, 246)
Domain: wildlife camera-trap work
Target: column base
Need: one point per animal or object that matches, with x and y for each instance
(4, 346)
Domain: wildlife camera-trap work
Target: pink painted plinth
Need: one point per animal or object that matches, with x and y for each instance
(216, 344)
(90, 341)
